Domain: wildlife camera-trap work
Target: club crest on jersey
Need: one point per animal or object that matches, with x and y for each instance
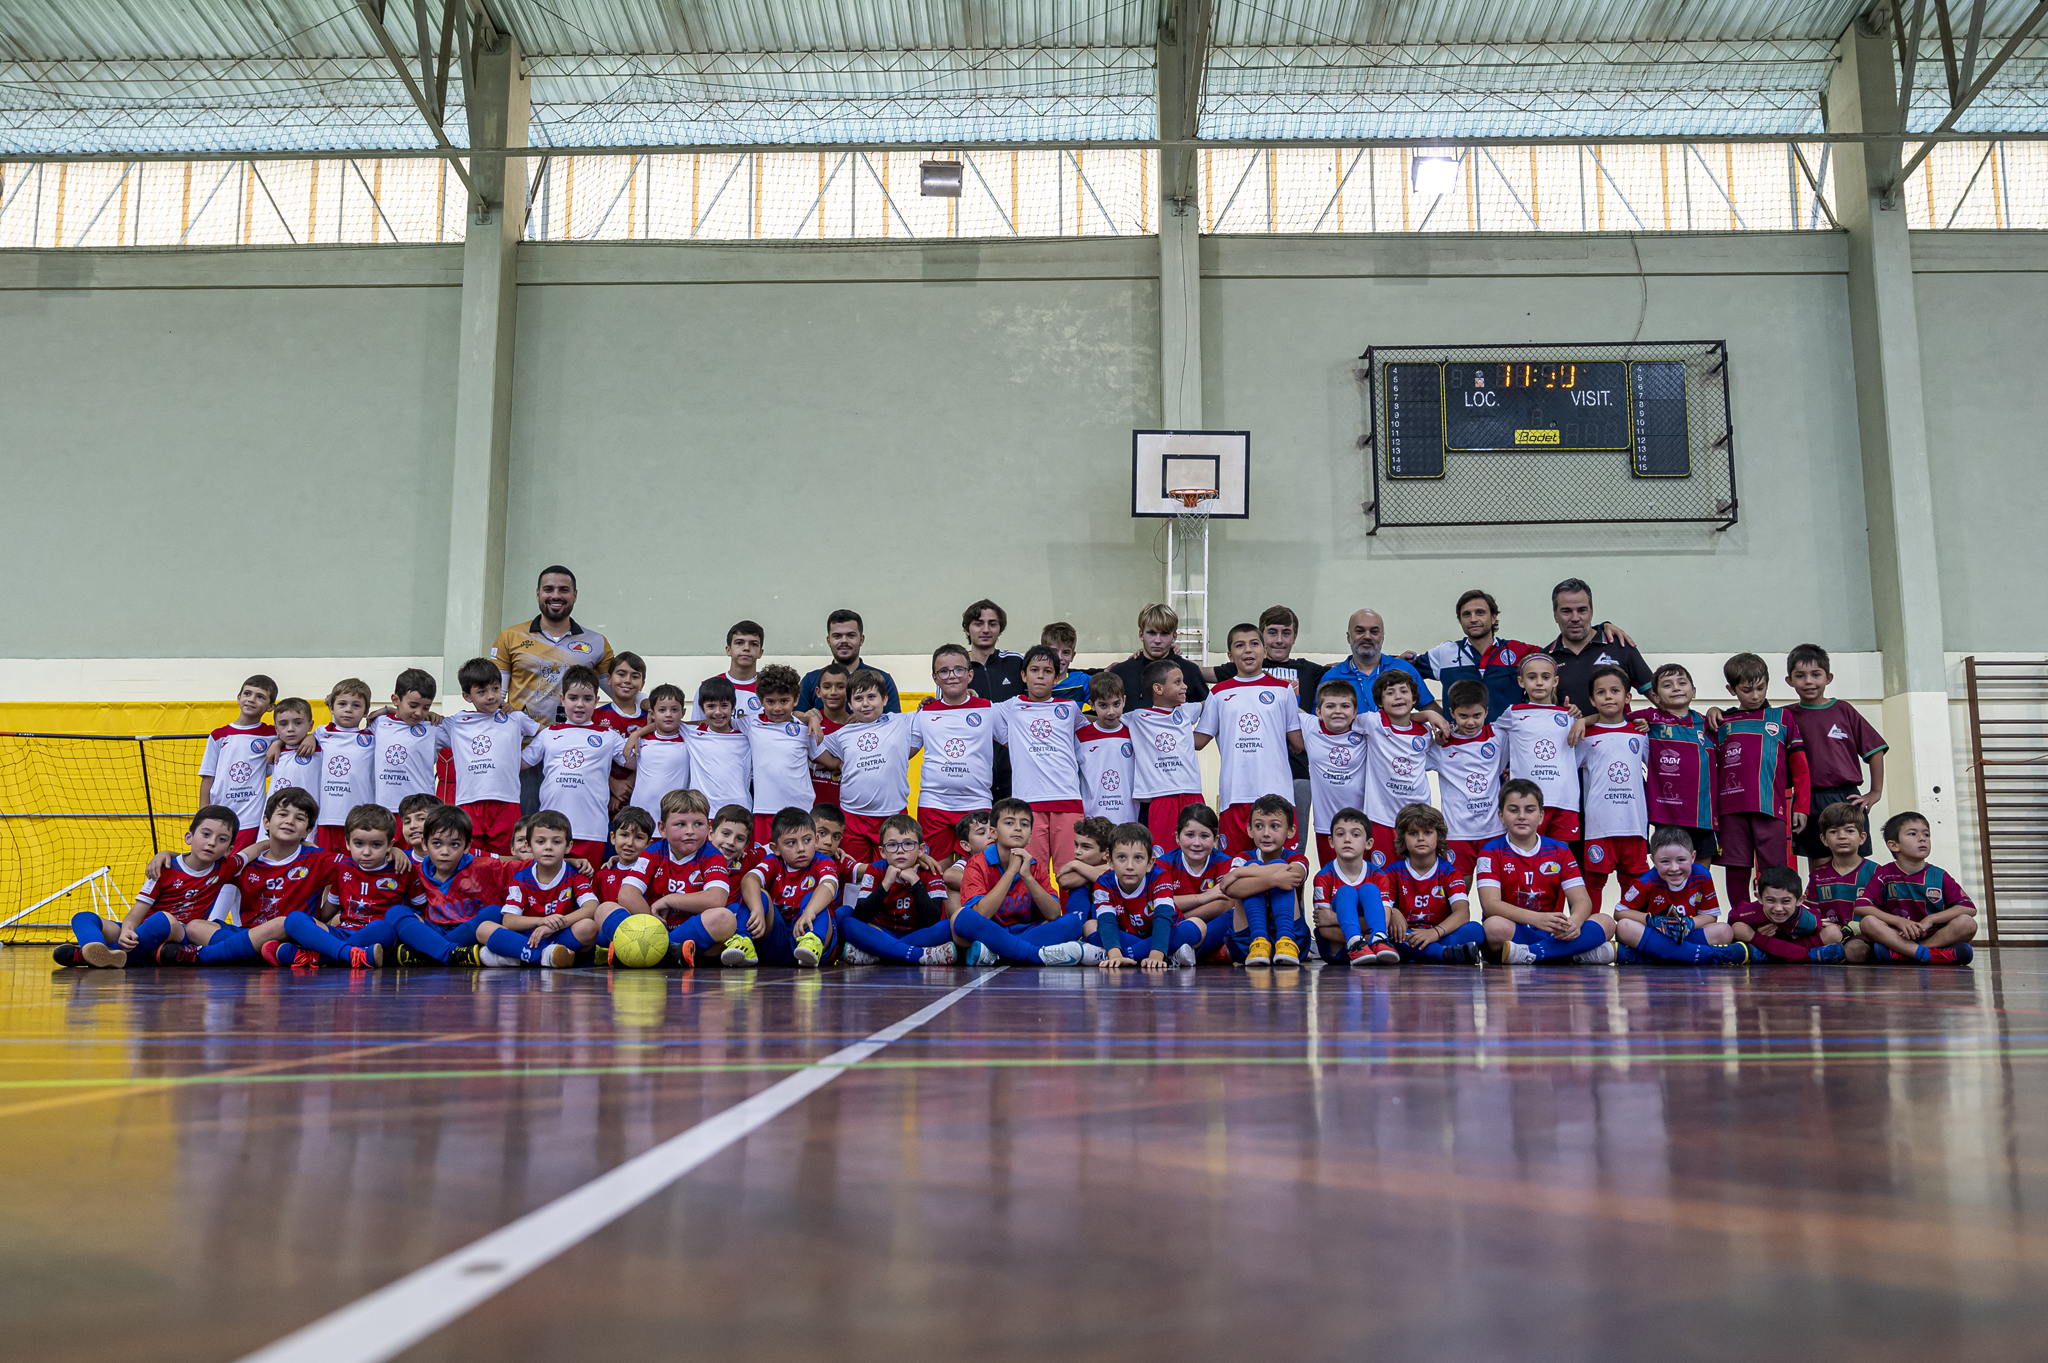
(1596, 854)
(500, 718)
(258, 744)
(1265, 697)
(1561, 721)
(1635, 745)
(579, 647)
(1247, 724)
(1059, 712)
(298, 873)
(1127, 750)
(868, 742)
(1488, 750)
(395, 755)
(387, 883)
(1621, 773)
(1771, 729)
(1507, 656)
(595, 740)
(1550, 868)
(416, 730)
(1419, 744)
(1835, 731)
(974, 721)
(1933, 894)
(364, 740)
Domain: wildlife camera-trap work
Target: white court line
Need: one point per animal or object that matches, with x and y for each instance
(396, 1317)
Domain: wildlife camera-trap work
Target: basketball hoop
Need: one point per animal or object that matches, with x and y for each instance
(1192, 497)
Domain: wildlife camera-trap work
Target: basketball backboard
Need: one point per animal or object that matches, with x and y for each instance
(1164, 460)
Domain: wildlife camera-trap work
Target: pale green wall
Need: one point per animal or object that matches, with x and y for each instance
(205, 458)
(1983, 303)
(1284, 321)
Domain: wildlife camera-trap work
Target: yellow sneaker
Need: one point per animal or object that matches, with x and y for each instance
(739, 951)
(808, 950)
(1260, 952)
(1285, 952)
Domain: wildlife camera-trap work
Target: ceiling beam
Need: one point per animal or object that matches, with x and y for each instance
(1970, 92)
(412, 87)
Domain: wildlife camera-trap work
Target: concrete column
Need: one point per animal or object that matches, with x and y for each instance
(1180, 233)
(498, 109)
(1905, 584)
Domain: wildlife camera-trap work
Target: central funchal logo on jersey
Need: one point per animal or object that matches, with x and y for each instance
(1111, 782)
(1040, 729)
(955, 748)
(240, 772)
(395, 755)
(1545, 750)
(1247, 724)
(868, 742)
(1478, 783)
(337, 765)
(1621, 773)
(1165, 743)
(480, 746)
(573, 759)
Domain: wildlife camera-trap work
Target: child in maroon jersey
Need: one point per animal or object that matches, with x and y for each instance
(1763, 794)
(1838, 881)
(1782, 928)
(1839, 743)
(1912, 910)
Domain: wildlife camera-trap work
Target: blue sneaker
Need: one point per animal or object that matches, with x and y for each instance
(979, 954)
(1735, 953)
(1828, 953)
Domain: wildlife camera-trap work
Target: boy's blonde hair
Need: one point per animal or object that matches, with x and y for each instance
(1158, 619)
(684, 802)
(1057, 633)
(349, 686)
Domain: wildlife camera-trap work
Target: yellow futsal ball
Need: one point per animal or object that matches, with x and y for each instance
(641, 941)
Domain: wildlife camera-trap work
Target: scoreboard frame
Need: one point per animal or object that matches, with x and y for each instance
(1650, 459)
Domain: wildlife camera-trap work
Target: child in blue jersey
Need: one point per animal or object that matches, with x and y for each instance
(897, 910)
(1133, 907)
(465, 893)
(1428, 910)
(1091, 858)
(1006, 912)
(1670, 913)
(1267, 881)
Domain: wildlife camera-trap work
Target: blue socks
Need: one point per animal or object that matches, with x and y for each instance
(692, 930)
(1662, 947)
(971, 926)
(229, 947)
(878, 941)
(1360, 911)
(150, 934)
(516, 945)
(1257, 918)
(307, 932)
(422, 937)
(1549, 948)
(610, 926)
(1471, 934)
(86, 928)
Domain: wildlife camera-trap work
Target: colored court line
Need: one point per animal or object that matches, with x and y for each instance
(395, 1317)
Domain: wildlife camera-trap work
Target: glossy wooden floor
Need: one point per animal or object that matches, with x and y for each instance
(1565, 1163)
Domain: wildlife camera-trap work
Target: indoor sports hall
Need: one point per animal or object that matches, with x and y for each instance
(1085, 679)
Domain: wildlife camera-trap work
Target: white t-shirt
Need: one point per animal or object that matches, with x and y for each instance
(1336, 769)
(1107, 757)
(1163, 760)
(294, 772)
(1468, 772)
(1250, 718)
(746, 699)
(660, 766)
(959, 754)
(1045, 762)
(405, 758)
(486, 751)
(874, 773)
(781, 756)
(1611, 775)
(721, 765)
(235, 759)
(575, 762)
(1536, 751)
(1396, 766)
(348, 772)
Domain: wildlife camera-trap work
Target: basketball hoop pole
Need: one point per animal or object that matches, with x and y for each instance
(1187, 570)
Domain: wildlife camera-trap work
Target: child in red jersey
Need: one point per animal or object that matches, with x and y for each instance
(789, 895)
(1076, 880)
(182, 893)
(1781, 928)
(412, 819)
(973, 835)
(465, 893)
(1912, 910)
(1350, 914)
(1763, 789)
(1671, 913)
(1428, 910)
(898, 909)
(1197, 866)
(282, 875)
(1267, 882)
(1132, 908)
(237, 760)
(621, 883)
(1609, 748)
(1837, 882)
(1007, 912)
(522, 848)
(550, 907)
(689, 884)
(1470, 762)
(623, 714)
(1530, 890)
(367, 886)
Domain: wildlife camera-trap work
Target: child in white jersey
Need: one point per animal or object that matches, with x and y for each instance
(1256, 722)
(721, 763)
(1166, 776)
(575, 759)
(662, 761)
(348, 770)
(1045, 760)
(237, 760)
(291, 769)
(957, 731)
(1397, 744)
(873, 756)
(1335, 748)
(1469, 762)
(409, 738)
(1616, 820)
(486, 741)
(780, 749)
(1539, 738)
(1106, 754)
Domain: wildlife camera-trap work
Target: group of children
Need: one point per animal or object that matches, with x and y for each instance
(760, 834)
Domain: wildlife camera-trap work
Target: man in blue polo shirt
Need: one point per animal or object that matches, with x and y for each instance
(1365, 633)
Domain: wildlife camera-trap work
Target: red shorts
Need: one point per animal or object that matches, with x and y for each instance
(1385, 849)
(1754, 840)
(863, 840)
(245, 838)
(1325, 854)
(1236, 821)
(1464, 854)
(764, 826)
(331, 837)
(1561, 824)
(937, 827)
(490, 825)
(592, 852)
(1162, 816)
(1627, 857)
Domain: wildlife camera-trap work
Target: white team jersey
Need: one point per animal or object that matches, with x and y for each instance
(1163, 758)
(721, 765)
(1107, 758)
(486, 753)
(575, 762)
(1536, 751)
(235, 759)
(294, 772)
(1396, 766)
(1468, 772)
(1250, 718)
(1336, 769)
(1611, 774)
(660, 766)
(348, 771)
(405, 758)
(874, 773)
(1045, 762)
(959, 754)
(781, 757)
(746, 699)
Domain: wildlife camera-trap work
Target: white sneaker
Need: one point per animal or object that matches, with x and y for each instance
(557, 957)
(849, 954)
(977, 954)
(1184, 954)
(1061, 953)
(1603, 954)
(1517, 954)
(942, 954)
(1092, 953)
(492, 959)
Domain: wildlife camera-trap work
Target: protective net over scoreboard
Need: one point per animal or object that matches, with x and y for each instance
(1550, 434)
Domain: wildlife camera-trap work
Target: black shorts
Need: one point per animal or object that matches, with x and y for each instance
(1808, 844)
(1705, 847)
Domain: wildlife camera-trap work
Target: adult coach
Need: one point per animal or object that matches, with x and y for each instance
(532, 657)
(1366, 633)
(1479, 654)
(1279, 626)
(1580, 648)
(844, 635)
(1158, 632)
